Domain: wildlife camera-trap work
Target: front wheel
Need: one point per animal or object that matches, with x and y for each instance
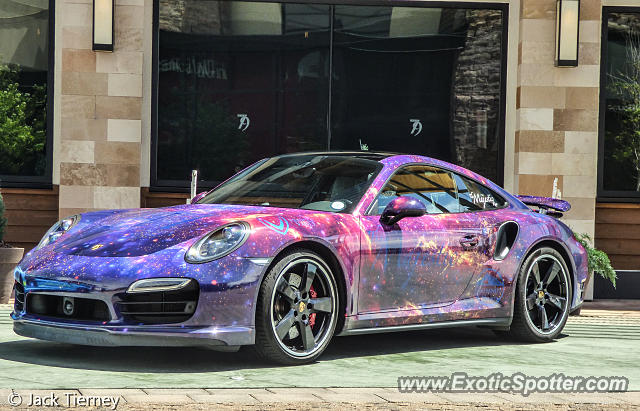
(543, 297)
(297, 309)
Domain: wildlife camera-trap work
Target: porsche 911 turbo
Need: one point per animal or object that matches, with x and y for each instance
(299, 248)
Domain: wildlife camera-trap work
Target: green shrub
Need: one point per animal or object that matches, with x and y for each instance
(598, 260)
(22, 125)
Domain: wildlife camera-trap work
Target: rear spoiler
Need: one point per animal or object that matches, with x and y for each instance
(546, 205)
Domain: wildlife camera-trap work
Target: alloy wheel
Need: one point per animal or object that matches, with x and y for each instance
(303, 307)
(546, 291)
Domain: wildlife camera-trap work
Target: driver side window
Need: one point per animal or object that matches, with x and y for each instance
(434, 187)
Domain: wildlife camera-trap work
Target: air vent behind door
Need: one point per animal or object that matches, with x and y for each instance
(507, 234)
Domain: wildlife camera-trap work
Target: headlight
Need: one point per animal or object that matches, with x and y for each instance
(58, 230)
(218, 243)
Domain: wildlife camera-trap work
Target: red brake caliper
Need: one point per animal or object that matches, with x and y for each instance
(312, 316)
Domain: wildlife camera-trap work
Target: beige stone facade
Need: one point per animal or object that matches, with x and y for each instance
(99, 116)
(557, 111)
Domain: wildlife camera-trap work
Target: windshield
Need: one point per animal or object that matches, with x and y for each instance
(311, 182)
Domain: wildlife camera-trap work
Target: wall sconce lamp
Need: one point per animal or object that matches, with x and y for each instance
(103, 11)
(567, 32)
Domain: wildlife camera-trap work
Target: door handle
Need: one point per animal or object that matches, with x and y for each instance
(469, 241)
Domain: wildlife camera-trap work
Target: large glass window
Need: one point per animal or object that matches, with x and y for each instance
(24, 67)
(239, 81)
(419, 80)
(619, 175)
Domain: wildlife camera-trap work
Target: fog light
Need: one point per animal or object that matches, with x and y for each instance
(189, 307)
(67, 306)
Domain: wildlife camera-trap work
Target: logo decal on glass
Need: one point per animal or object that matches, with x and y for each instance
(281, 227)
(245, 121)
(417, 126)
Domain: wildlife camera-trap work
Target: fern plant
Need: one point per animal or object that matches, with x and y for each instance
(598, 260)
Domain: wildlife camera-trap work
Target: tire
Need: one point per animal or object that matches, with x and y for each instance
(541, 308)
(297, 309)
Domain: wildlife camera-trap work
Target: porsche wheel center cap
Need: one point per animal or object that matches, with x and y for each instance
(302, 306)
(540, 294)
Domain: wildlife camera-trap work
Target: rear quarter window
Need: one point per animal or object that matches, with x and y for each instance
(474, 196)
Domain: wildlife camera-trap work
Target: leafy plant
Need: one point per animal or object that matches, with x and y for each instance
(22, 125)
(598, 260)
(3, 220)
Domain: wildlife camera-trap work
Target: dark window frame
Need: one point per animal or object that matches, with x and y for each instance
(183, 186)
(602, 195)
(45, 181)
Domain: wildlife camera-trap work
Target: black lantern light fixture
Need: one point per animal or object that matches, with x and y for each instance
(103, 12)
(567, 32)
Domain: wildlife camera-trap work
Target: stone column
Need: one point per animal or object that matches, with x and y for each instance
(557, 111)
(98, 146)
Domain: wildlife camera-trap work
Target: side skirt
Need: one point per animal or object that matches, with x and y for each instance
(499, 323)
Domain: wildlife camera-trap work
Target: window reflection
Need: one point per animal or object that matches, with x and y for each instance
(621, 165)
(23, 87)
(421, 81)
(240, 81)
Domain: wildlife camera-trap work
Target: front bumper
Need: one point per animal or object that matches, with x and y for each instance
(223, 318)
(219, 338)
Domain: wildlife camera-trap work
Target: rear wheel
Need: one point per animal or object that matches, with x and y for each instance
(297, 309)
(543, 297)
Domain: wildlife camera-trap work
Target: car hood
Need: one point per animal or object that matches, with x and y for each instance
(139, 232)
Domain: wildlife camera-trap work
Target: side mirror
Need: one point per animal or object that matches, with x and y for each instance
(198, 197)
(400, 208)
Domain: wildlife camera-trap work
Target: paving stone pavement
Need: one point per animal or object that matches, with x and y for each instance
(318, 398)
(147, 386)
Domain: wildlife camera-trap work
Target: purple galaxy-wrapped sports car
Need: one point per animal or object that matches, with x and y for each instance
(298, 248)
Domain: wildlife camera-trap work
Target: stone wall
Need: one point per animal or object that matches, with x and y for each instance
(98, 151)
(557, 111)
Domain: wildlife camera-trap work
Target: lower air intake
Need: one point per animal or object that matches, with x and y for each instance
(159, 307)
(68, 308)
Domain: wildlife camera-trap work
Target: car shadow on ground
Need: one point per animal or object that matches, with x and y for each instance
(200, 360)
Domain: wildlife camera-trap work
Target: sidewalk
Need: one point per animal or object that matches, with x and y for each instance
(341, 398)
(171, 379)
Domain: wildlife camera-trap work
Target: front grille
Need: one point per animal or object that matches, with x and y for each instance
(18, 291)
(84, 309)
(159, 307)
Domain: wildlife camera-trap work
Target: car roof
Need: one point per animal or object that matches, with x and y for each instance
(368, 155)
(385, 157)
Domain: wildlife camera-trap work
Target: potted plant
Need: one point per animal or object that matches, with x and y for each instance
(9, 257)
(598, 261)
